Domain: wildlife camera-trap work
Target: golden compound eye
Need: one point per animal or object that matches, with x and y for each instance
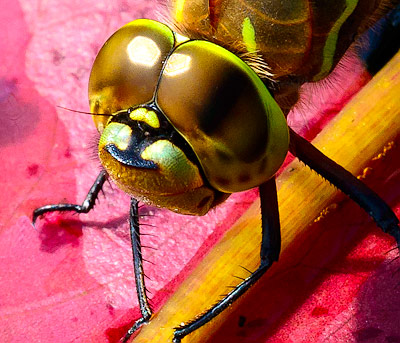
(127, 68)
(234, 126)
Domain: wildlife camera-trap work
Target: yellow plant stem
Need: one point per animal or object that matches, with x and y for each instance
(358, 134)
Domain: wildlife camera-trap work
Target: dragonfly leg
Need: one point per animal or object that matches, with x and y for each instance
(145, 308)
(347, 183)
(269, 252)
(86, 206)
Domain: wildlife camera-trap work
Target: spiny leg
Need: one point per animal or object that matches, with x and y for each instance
(269, 252)
(138, 270)
(86, 206)
(347, 183)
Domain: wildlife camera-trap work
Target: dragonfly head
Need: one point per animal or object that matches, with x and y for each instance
(191, 122)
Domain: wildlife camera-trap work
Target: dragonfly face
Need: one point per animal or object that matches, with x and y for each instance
(190, 122)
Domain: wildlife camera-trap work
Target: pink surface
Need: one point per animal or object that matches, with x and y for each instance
(71, 279)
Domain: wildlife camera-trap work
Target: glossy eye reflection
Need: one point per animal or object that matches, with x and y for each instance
(143, 51)
(177, 64)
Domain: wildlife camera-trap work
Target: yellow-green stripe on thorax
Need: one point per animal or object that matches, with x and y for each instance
(332, 38)
(249, 35)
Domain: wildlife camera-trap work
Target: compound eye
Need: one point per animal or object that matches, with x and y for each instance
(127, 68)
(226, 114)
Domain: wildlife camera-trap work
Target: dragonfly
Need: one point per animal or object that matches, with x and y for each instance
(175, 135)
